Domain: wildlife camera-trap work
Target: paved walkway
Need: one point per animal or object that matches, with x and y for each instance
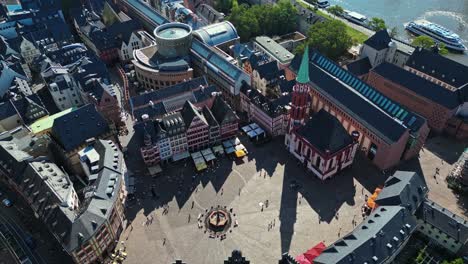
(299, 218)
(362, 29)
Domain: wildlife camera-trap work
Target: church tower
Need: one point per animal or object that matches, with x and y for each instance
(299, 97)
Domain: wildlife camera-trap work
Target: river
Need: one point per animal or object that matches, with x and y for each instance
(452, 14)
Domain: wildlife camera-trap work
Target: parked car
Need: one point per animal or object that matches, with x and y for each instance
(7, 202)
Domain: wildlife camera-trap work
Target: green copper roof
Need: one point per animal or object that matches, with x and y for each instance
(303, 74)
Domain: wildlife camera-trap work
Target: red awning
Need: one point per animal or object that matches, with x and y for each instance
(301, 259)
(314, 252)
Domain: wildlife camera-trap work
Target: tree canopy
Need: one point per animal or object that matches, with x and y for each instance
(269, 20)
(377, 24)
(330, 38)
(455, 261)
(336, 10)
(223, 5)
(426, 42)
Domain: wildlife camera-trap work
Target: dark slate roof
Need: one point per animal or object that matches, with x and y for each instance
(403, 188)
(7, 110)
(152, 110)
(101, 202)
(151, 128)
(268, 71)
(73, 129)
(209, 117)
(30, 108)
(201, 95)
(374, 110)
(419, 85)
(272, 108)
(123, 30)
(95, 87)
(449, 223)
(359, 67)
(189, 112)
(222, 111)
(375, 240)
(438, 66)
(69, 54)
(286, 86)
(87, 68)
(325, 133)
(173, 90)
(379, 40)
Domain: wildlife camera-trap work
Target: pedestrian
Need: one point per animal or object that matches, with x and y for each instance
(193, 203)
(164, 241)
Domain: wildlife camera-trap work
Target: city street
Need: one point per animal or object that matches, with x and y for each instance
(266, 176)
(20, 222)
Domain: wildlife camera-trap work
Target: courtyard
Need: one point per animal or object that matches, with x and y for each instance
(302, 210)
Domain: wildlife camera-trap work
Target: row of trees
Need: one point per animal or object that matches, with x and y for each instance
(375, 23)
(270, 20)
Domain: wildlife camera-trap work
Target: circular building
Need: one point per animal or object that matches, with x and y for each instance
(166, 63)
(173, 39)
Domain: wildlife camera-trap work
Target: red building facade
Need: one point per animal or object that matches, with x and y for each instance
(320, 143)
(388, 133)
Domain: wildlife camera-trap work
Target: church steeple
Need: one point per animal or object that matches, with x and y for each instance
(303, 74)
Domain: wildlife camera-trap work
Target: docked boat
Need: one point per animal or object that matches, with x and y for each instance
(323, 4)
(355, 18)
(438, 33)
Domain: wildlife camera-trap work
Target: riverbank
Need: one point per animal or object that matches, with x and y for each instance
(357, 33)
(451, 14)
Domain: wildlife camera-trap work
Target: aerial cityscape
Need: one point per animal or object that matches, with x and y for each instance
(233, 131)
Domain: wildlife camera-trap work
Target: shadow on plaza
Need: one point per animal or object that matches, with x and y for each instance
(325, 198)
(446, 148)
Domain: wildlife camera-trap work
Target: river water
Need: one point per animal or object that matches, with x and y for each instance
(452, 14)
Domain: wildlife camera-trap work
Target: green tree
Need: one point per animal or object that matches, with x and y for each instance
(377, 24)
(442, 49)
(455, 261)
(224, 5)
(336, 10)
(270, 20)
(423, 42)
(330, 38)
